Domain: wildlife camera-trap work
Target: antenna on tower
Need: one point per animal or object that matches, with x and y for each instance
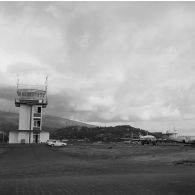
(17, 80)
(46, 82)
(46, 85)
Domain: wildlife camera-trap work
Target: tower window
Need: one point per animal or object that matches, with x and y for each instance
(37, 123)
(39, 110)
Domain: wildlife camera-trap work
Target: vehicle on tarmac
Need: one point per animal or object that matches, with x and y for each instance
(56, 143)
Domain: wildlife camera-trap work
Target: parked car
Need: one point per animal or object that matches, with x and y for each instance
(56, 143)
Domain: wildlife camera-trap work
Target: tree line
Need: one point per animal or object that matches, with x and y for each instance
(98, 133)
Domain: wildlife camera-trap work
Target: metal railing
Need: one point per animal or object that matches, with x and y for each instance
(18, 102)
(33, 87)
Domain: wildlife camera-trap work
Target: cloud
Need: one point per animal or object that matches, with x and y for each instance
(7, 93)
(106, 61)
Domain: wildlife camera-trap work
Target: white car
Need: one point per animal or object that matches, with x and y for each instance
(56, 143)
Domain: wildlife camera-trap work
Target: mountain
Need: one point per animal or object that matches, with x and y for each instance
(61, 128)
(116, 133)
(51, 123)
(9, 121)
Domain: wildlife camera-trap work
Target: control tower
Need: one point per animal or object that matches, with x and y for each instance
(31, 100)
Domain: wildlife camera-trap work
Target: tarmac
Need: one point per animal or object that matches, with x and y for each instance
(40, 170)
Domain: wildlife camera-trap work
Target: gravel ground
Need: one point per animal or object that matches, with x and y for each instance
(97, 169)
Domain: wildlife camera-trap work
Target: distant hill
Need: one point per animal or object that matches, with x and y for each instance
(117, 133)
(9, 121)
(61, 128)
(52, 123)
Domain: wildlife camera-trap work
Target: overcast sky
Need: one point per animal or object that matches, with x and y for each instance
(108, 62)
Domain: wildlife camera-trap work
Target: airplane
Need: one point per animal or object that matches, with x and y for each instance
(144, 139)
(147, 139)
(173, 136)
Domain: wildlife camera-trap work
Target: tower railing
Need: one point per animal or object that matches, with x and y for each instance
(31, 96)
(31, 92)
(31, 87)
